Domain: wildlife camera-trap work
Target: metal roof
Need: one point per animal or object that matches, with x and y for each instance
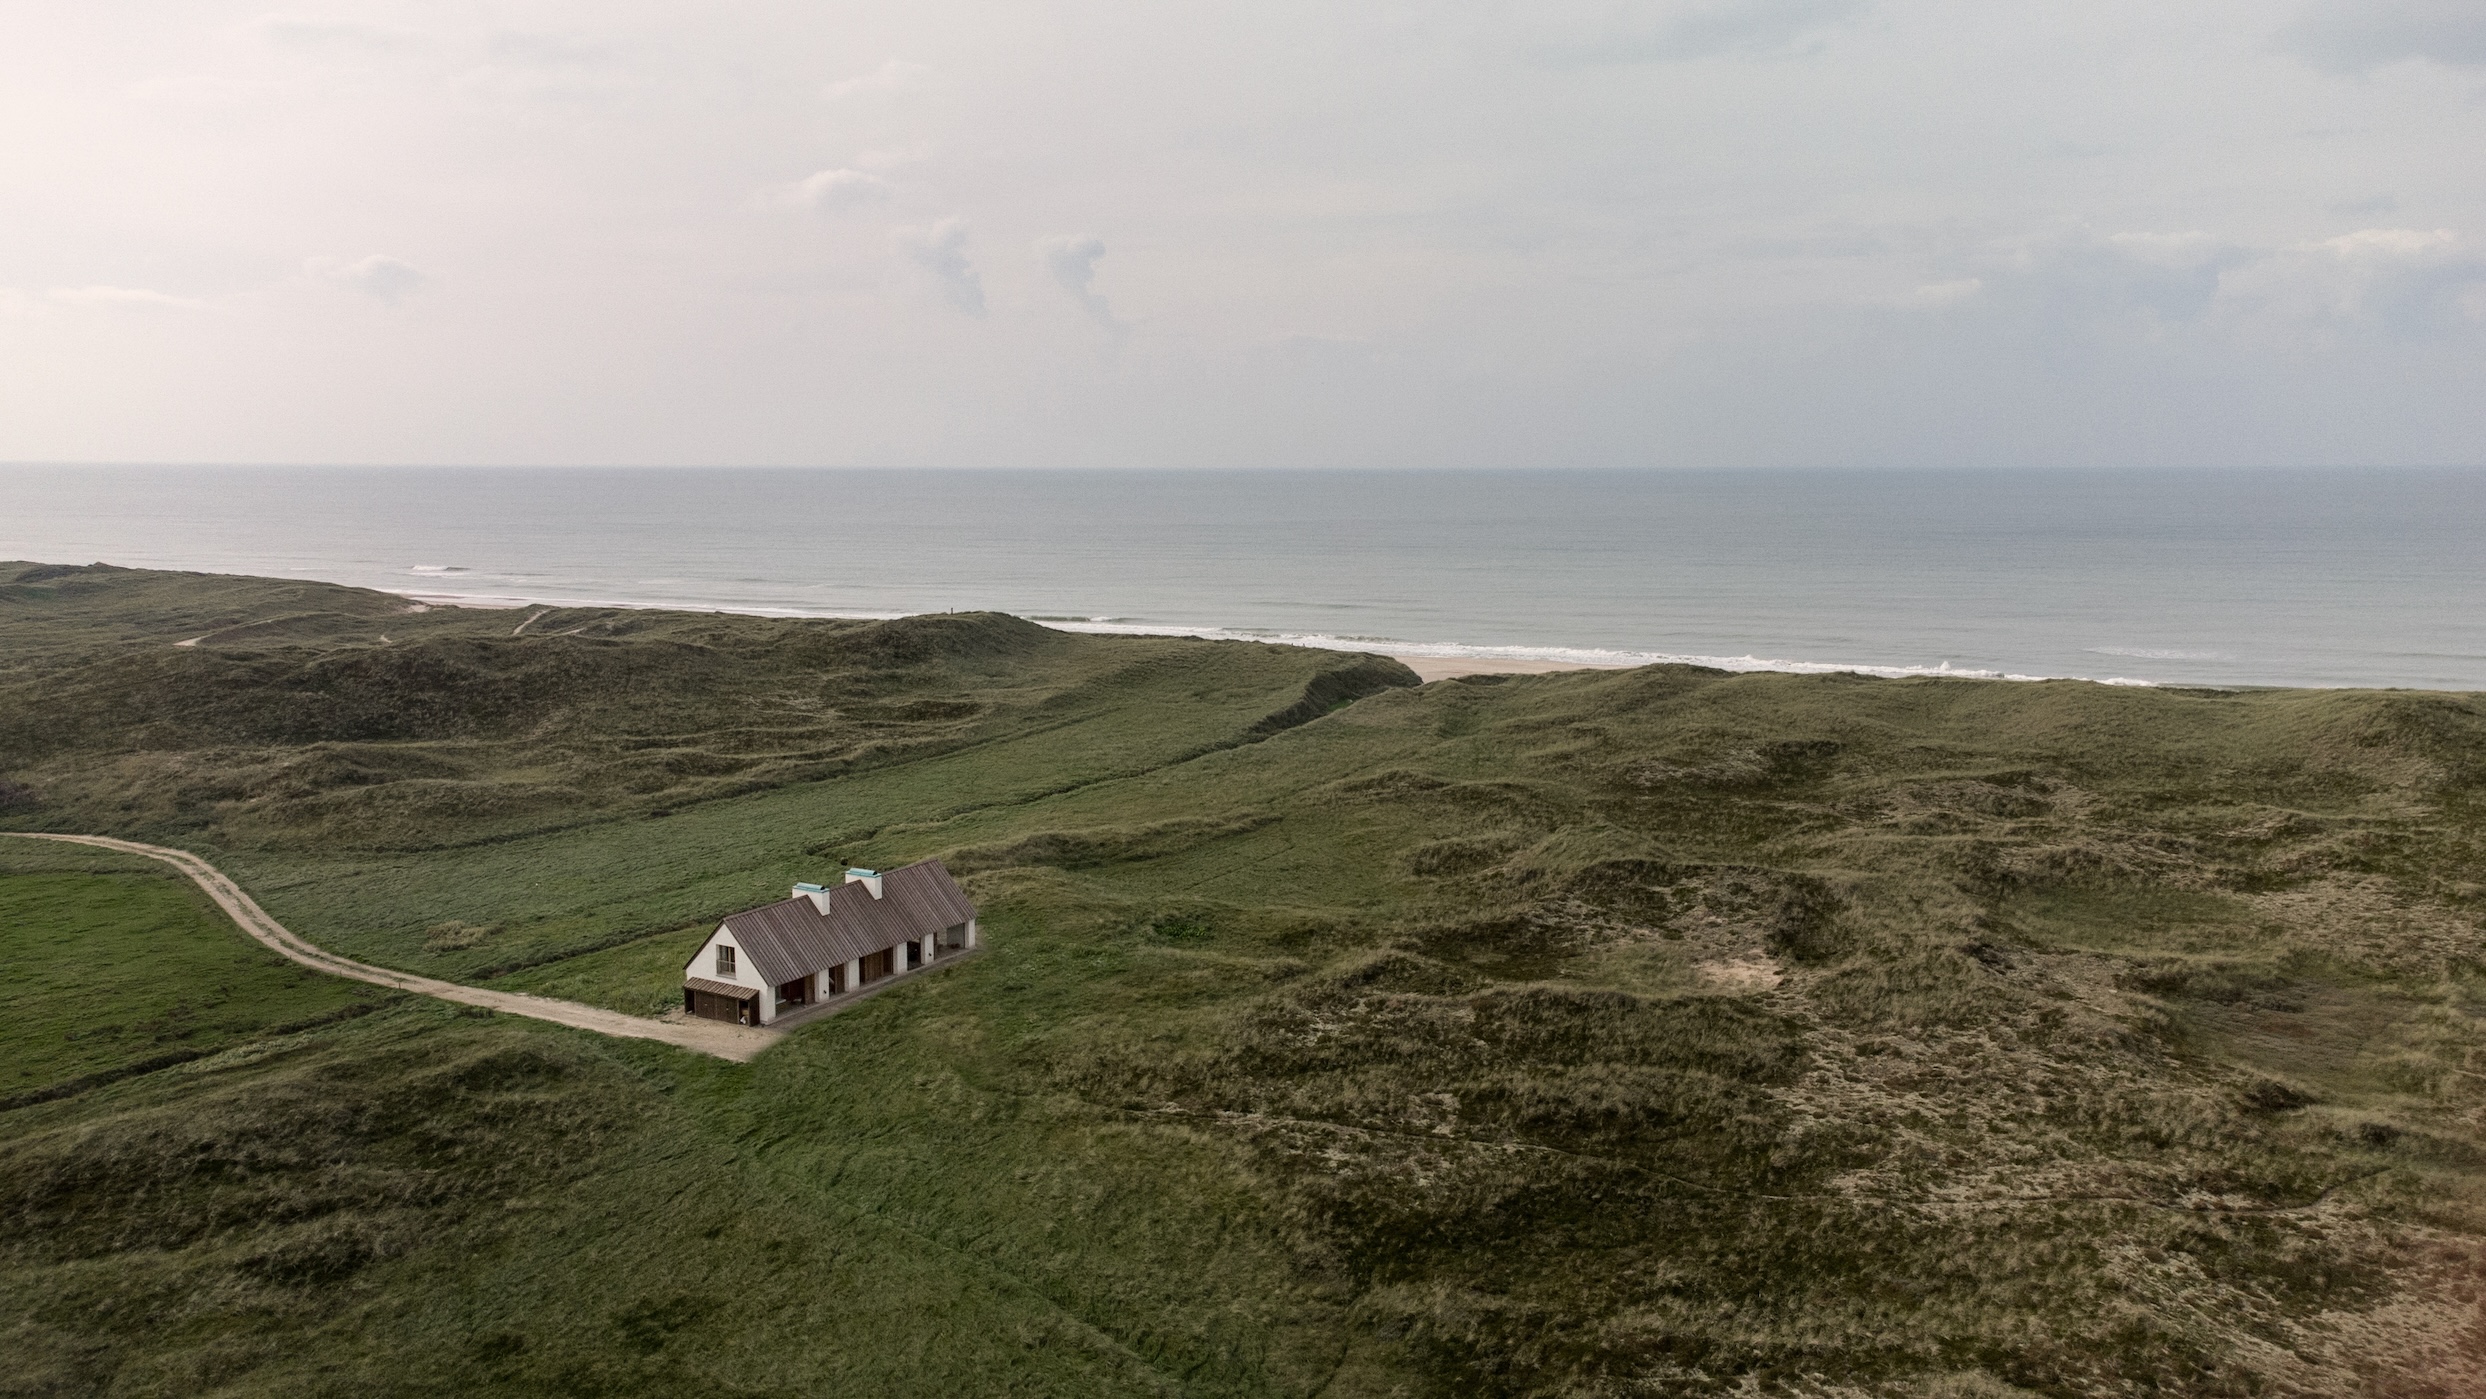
(792, 937)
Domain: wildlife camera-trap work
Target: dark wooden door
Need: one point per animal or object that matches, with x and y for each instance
(708, 1005)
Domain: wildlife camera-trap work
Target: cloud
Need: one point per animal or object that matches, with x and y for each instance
(2413, 282)
(940, 249)
(137, 298)
(378, 275)
(2087, 280)
(1072, 264)
(2402, 282)
(2352, 36)
(896, 75)
(1640, 31)
(334, 35)
(1948, 293)
(831, 189)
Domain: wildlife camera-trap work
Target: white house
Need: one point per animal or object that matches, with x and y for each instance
(821, 942)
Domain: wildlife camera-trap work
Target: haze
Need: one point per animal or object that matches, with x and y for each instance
(1577, 232)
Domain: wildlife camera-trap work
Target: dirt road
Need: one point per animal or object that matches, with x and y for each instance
(706, 1036)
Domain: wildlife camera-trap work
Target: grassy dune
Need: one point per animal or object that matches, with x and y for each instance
(1656, 1032)
(241, 712)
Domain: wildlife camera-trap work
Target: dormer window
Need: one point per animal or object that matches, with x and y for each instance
(724, 960)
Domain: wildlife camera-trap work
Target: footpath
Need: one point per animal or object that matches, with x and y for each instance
(737, 1042)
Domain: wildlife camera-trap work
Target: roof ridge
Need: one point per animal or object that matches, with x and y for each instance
(782, 946)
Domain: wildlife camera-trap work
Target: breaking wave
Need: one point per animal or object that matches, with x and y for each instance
(1602, 658)
(1598, 657)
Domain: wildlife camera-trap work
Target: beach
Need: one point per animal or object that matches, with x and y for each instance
(2183, 577)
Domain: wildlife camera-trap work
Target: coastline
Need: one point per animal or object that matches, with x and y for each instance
(1429, 665)
(1887, 574)
(1430, 660)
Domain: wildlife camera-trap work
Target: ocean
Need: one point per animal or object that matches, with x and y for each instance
(2195, 577)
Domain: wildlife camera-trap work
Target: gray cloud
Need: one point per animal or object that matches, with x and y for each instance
(1598, 31)
(2346, 36)
(833, 189)
(1071, 262)
(1587, 232)
(2404, 282)
(2092, 281)
(379, 276)
(2130, 287)
(896, 75)
(941, 249)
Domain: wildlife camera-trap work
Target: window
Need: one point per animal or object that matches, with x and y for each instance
(724, 960)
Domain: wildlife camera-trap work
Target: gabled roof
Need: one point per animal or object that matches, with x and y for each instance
(792, 938)
(926, 895)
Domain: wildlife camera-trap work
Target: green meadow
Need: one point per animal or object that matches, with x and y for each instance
(1633, 1033)
(111, 963)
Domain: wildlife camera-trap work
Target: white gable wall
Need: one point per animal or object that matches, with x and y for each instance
(744, 974)
(704, 965)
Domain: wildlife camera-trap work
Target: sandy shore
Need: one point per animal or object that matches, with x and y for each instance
(1451, 667)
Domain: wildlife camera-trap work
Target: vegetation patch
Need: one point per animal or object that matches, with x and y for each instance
(1601, 1034)
(456, 936)
(1104, 845)
(109, 963)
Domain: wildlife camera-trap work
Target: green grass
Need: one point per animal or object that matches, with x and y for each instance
(1659, 1032)
(641, 977)
(340, 718)
(424, 1201)
(109, 962)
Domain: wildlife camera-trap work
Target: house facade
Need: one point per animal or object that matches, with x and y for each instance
(822, 942)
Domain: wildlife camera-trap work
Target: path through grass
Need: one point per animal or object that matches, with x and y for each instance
(108, 962)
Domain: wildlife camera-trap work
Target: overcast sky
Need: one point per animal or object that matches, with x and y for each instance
(1038, 233)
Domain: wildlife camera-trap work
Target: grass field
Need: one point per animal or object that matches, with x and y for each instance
(1643, 1033)
(642, 977)
(108, 962)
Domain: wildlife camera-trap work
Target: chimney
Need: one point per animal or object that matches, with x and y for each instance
(869, 879)
(819, 897)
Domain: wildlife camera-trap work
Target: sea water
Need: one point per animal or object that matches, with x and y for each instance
(2223, 577)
